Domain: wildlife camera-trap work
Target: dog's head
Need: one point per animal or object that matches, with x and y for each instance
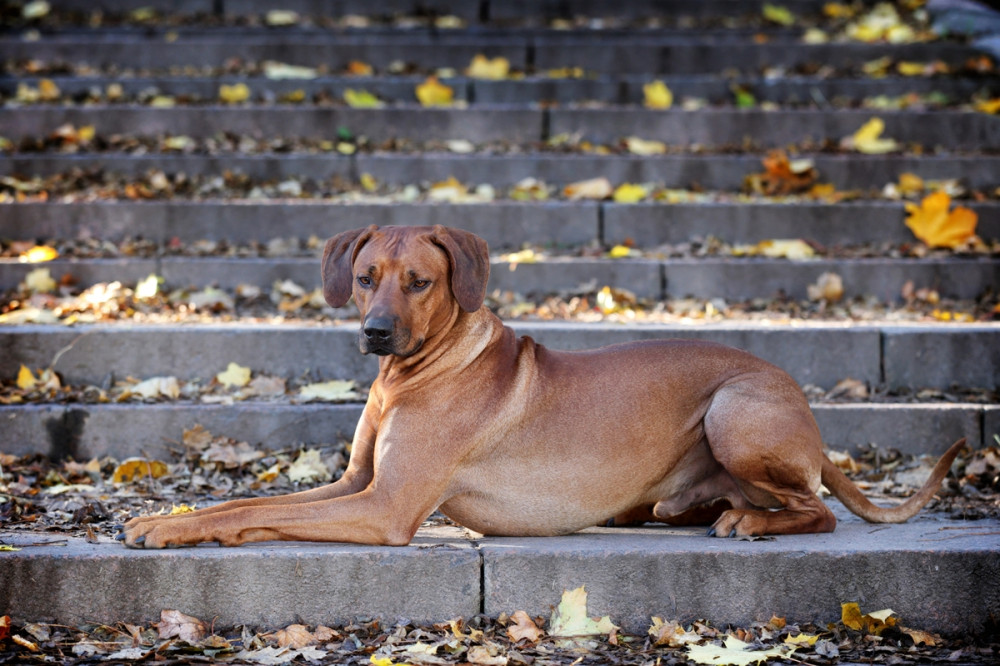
(408, 282)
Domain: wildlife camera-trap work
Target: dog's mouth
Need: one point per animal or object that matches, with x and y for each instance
(388, 348)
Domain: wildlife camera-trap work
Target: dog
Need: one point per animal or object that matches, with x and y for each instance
(507, 437)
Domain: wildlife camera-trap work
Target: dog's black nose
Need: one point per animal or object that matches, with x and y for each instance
(378, 329)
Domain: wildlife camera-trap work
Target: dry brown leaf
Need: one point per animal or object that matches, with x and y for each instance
(523, 628)
(138, 468)
(594, 188)
(174, 624)
(294, 636)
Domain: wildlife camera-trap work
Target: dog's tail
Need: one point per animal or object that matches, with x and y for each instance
(848, 493)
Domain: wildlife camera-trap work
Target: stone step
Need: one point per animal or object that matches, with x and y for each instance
(83, 431)
(930, 571)
(611, 89)
(707, 128)
(505, 225)
(715, 172)
(894, 356)
(594, 52)
(729, 278)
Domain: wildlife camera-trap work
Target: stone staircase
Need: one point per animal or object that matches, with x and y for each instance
(254, 180)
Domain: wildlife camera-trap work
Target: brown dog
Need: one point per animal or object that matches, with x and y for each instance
(507, 437)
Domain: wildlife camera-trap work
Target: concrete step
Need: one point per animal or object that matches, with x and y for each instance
(83, 431)
(611, 89)
(504, 224)
(930, 571)
(729, 278)
(513, 124)
(650, 52)
(896, 357)
(714, 172)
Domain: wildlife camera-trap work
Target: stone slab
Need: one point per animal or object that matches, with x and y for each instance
(268, 585)
(85, 431)
(721, 127)
(935, 357)
(652, 224)
(484, 123)
(503, 224)
(916, 429)
(681, 574)
(716, 172)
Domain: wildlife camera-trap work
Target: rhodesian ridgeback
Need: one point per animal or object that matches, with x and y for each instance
(507, 437)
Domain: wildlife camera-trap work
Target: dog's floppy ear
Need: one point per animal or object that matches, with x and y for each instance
(469, 258)
(338, 264)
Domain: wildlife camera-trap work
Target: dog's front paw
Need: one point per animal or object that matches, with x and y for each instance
(152, 532)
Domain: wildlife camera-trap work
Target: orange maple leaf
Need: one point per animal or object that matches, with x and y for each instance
(932, 223)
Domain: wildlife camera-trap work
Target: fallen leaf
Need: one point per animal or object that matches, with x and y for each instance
(309, 466)
(451, 190)
(434, 93)
(280, 17)
(735, 653)
(234, 375)
(619, 252)
(279, 70)
(828, 287)
(868, 139)
(334, 390)
(638, 146)
(629, 193)
(26, 379)
(570, 617)
(39, 281)
(156, 387)
(783, 176)
(933, 224)
(358, 68)
(230, 454)
(988, 105)
(656, 95)
(523, 628)
(174, 624)
(481, 655)
(179, 509)
(493, 69)
(265, 385)
(4, 627)
(48, 91)
(362, 99)
(801, 639)
(294, 636)
(35, 10)
(671, 634)
(235, 93)
(777, 14)
(871, 623)
(138, 468)
(778, 248)
(920, 637)
(594, 188)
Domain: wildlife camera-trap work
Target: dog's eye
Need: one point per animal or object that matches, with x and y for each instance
(421, 284)
(364, 281)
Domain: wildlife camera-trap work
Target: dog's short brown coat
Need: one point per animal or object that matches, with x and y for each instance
(507, 437)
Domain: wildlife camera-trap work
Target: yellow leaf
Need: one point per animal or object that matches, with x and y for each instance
(362, 99)
(629, 193)
(594, 188)
(838, 10)
(919, 636)
(801, 639)
(872, 623)
(783, 248)
(148, 288)
(39, 281)
(911, 68)
(451, 190)
(933, 224)
(48, 91)
(434, 93)
(38, 254)
(988, 105)
(671, 633)
(178, 509)
(238, 92)
(279, 70)
(657, 95)
(358, 68)
(138, 468)
(234, 376)
(619, 252)
(270, 474)
(7, 549)
(570, 617)
(638, 146)
(337, 389)
(868, 139)
(734, 653)
(26, 379)
(368, 182)
(910, 184)
(280, 17)
(777, 14)
(494, 69)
